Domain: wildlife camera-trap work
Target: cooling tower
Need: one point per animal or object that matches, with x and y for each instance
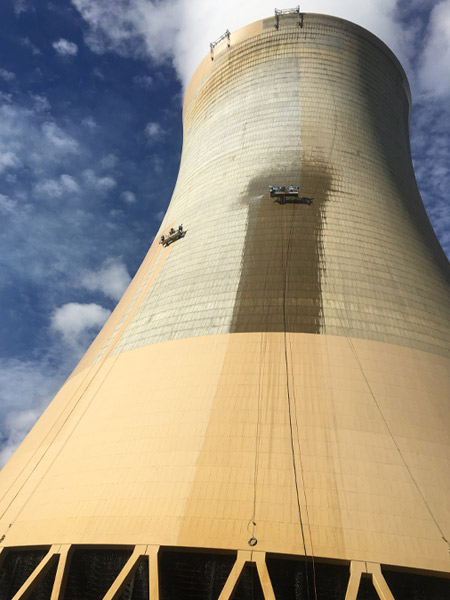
(266, 412)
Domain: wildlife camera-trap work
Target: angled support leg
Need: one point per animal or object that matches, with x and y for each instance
(125, 574)
(61, 573)
(264, 577)
(357, 568)
(38, 574)
(379, 581)
(153, 578)
(243, 557)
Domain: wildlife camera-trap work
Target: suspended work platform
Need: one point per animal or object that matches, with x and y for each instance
(288, 195)
(172, 236)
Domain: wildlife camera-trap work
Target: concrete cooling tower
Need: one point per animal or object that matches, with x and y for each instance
(266, 412)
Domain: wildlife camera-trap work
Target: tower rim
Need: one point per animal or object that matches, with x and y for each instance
(256, 28)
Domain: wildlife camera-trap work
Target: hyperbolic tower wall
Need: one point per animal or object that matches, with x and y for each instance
(278, 377)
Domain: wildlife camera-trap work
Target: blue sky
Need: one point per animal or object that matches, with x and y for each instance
(90, 140)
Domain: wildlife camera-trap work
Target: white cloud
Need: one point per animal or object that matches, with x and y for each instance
(90, 123)
(116, 213)
(180, 31)
(8, 160)
(7, 75)
(153, 130)
(78, 322)
(136, 27)
(50, 188)
(27, 43)
(4, 97)
(40, 148)
(56, 188)
(98, 73)
(102, 184)
(157, 164)
(6, 204)
(430, 142)
(14, 427)
(20, 6)
(41, 104)
(69, 183)
(144, 81)
(59, 139)
(109, 161)
(65, 47)
(25, 389)
(128, 197)
(111, 279)
(434, 70)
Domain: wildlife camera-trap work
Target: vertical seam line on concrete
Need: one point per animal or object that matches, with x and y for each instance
(369, 387)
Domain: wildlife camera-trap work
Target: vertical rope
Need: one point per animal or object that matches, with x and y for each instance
(285, 257)
(262, 353)
(295, 416)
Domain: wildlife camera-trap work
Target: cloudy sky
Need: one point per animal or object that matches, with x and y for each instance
(90, 140)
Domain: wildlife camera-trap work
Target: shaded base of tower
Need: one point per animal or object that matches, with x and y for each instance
(170, 573)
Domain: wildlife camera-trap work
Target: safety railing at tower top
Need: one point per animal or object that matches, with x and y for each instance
(224, 36)
(279, 12)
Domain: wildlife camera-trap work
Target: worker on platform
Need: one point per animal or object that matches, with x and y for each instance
(180, 228)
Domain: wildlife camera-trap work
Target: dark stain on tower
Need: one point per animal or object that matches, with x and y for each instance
(280, 285)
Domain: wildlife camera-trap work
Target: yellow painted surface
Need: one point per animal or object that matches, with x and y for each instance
(167, 454)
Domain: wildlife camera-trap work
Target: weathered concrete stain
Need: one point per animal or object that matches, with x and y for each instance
(280, 284)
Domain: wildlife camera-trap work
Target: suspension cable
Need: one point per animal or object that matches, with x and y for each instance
(285, 258)
(297, 430)
(262, 353)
